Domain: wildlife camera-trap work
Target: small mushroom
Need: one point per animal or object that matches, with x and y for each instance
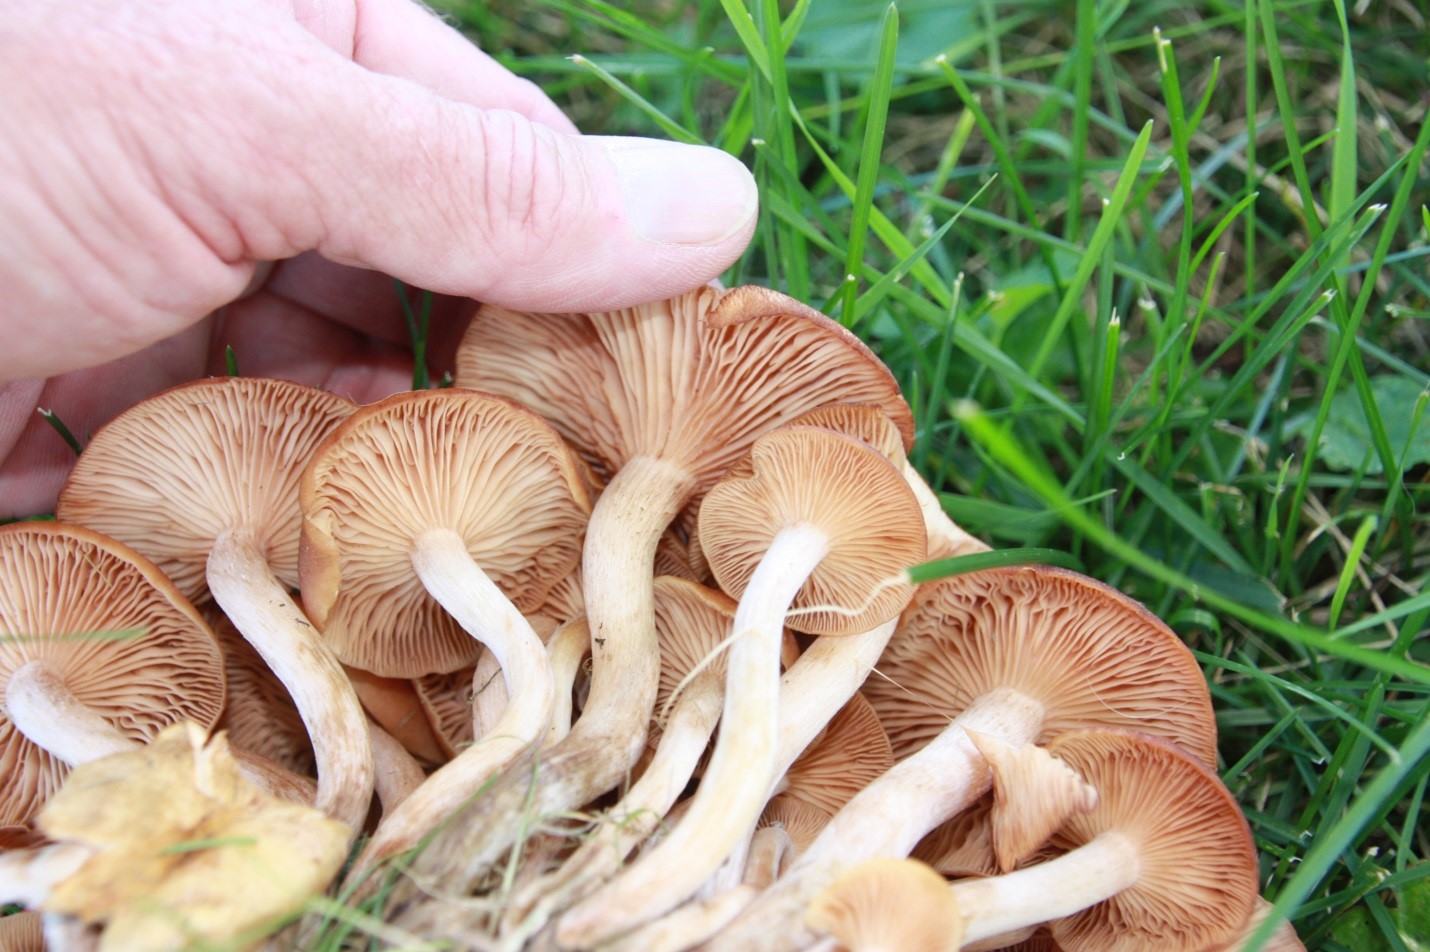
(1164, 861)
(420, 513)
(98, 653)
(888, 905)
(203, 479)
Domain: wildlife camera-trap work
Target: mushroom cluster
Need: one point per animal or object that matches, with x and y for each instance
(591, 639)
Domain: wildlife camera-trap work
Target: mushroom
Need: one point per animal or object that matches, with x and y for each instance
(98, 653)
(203, 479)
(420, 513)
(1034, 794)
(220, 861)
(1021, 654)
(822, 530)
(888, 905)
(661, 399)
(446, 700)
(1164, 861)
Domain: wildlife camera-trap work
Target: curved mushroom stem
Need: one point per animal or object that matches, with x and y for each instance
(617, 573)
(688, 926)
(771, 850)
(744, 766)
(27, 876)
(638, 814)
(47, 712)
(1098, 870)
(398, 773)
(269, 620)
(464, 590)
(889, 817)
(567, 648)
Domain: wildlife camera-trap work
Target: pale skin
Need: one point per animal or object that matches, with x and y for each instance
(155, 155)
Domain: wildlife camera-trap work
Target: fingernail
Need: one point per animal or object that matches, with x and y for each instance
(683, 194)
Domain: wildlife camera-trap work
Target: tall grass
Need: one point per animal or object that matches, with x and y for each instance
(1153, 276)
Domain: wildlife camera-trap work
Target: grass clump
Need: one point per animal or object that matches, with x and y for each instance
(1153, 277)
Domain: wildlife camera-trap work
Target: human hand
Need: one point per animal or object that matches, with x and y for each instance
(152, 154)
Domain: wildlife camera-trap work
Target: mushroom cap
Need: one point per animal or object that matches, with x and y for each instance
(447, 701)
(888, 904)
(220, 859)
(1033, 795)
(1089, 654)
(260, 716)
(692, 379)
(809, 475)
(802, 820)
(852, 751)
(962, 845)
(173, 473)
(62, 589)
(1197, 873)
(863, 421)
(478, 465)
(397, 706)
(22, 932)
(693, 624)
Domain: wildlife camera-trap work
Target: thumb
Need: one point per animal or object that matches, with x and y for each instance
(487, 204)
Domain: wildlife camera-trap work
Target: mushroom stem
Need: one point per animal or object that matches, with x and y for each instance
(267, 617)
(888, 817)
(45, 710)
(567, 648)
(27, 876)
(1101, 868)
(688, 926)
(819, 683)
(460, 586)
(639, 813)
(398, 774)
(617, 572)
(743, 767)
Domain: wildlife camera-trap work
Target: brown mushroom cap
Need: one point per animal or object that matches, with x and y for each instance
(1033, 795)
(888, 904)
(396, 704)
(852, 751)
(803, 821)
(695, 378)
(693, 623)
(63, 589)
(447, 701)
(809, 475)
(478, 465)
(172, 474)
(1196, 868)
(22, 932)
(1089, 654)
